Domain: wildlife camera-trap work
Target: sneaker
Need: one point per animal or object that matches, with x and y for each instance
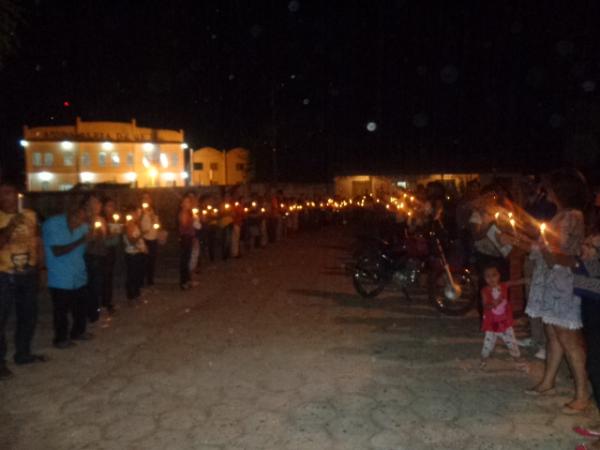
(5, 372)
(527, 342)
(541, 354)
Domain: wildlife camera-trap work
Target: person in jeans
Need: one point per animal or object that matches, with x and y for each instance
(135, 255)
(18, 275)
(65, 237)
(148, 221)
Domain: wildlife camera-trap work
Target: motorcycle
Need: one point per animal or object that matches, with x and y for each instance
(451, 287)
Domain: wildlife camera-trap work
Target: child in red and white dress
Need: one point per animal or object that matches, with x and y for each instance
(497, 314)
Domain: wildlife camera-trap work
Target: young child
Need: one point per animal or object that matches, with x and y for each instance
(497, 314)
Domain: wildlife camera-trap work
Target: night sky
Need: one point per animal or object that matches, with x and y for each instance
(333, 86)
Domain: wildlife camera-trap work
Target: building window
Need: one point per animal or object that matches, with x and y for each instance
(115, 159)
(102, 159)
(130, 159)
(68, 159)
(65, 187)
(214, 166)
(48, 159)
(174, 159)
(36, 159)
(198, 166)
(85, 160)
(239, 167)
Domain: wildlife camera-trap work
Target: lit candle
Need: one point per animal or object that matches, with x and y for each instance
(497, 215)
(245, 210)
(128, 217)
(145, 205)
(254, 204)
(97, 224)
(263, 210)
(209, 207)
(156, 226)
(195, 211)
(237, 204)
(116, 217)
(20, 203)
(512, 223)
(543, 227)
(227, 206)
(204, 212)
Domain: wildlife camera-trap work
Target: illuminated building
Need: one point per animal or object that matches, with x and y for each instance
(214, 167)
(60, 157)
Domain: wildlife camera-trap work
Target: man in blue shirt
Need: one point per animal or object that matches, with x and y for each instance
(65, 237)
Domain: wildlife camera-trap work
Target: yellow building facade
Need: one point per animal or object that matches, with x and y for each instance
(215, 167)
(60, 157)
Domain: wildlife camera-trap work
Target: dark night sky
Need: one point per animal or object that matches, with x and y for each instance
(449, 84)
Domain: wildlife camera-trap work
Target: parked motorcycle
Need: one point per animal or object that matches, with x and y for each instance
(451, 286)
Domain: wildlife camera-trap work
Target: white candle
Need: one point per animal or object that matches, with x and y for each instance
(20, 203)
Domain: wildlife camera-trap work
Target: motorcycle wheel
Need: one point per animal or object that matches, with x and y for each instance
(459, 306)
(368, 277)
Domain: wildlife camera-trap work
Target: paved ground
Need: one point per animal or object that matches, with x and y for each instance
(275, 351)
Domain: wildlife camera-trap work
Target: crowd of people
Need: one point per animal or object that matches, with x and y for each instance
(553, 232)
(79, 251)
(554, 228)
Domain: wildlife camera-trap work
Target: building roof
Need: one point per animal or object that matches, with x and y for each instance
(98, 131)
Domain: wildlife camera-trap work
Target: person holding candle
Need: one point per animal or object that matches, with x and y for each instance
(551, 296)
(187, 233)
(150, 234)
(111, 243)
(65, 238)
(95, 256)
(19, 257)
(135, 255)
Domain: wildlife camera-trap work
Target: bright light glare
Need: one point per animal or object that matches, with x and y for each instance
(148, 146)
(86, 177)
(66, 145)
(164, 161)
(24, 143)
(107, 146)
(45, 176)
(131, 176)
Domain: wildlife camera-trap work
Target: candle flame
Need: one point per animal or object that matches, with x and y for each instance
(116, 217)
